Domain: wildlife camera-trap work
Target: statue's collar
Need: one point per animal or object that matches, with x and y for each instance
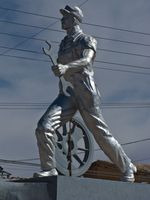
(75, 36)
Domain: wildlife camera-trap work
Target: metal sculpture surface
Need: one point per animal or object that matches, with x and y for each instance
(74, 63)
(64, 83)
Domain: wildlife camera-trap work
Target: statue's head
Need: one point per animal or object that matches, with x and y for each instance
(72, 15)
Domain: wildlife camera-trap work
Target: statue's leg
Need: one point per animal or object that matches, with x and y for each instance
(94, 120)
(59, 112)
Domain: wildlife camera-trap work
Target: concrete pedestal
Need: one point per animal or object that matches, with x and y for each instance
(72, 188)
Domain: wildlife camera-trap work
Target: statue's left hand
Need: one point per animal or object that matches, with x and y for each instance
(59, 69)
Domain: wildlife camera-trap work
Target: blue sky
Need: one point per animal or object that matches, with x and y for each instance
(29, 81)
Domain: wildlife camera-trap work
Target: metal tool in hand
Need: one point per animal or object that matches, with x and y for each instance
(65, 84)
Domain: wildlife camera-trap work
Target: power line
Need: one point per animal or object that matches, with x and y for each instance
(141, 160)
(137, 141)
(21, 36)
(108, 50)
(123, 41)
(97, 37)
(39, 104)
(31, 106)
(29, 13)
(41, 60)
(120, 70)
(32, 26)
(90, 24)
(83, 3)
(41, 108)
(27, 39)
(122, 52)
(121, 64)
(21, 162)
(118, 29)
(128, 143)
(35, 34)
(104, 62)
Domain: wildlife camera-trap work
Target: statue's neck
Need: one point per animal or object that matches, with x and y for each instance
(75, 29)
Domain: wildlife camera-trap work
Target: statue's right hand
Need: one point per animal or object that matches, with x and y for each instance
(59, 69)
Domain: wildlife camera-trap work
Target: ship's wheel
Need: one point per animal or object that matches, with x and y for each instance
(73, 154)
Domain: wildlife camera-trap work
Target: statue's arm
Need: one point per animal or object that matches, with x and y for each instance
(76, 65)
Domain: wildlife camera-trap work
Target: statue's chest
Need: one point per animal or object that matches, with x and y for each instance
(68, 52)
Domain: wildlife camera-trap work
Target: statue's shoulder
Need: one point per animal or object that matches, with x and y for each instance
(88, 41)
(63, 41)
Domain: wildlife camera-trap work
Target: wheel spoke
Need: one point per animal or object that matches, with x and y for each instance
(73, 128)
(65, 132)
(78, 134)
(59, 135)
(78, 160)
(81, 149)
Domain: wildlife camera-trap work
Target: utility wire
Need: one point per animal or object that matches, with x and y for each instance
(24, 50)
(121, 64)
(90, 24)
(33, 26)
(97, 37)
(104, 62)
(47, 104)
(119, 70)
(83, 3)
(21, 162)
(128, 143)
(141, 160)
(29, 13)
(108, 50)
(123, 41)
(123, 52)
(96, 61)
(28, 39)
(41, 60)
(30, 106)
(36, 33)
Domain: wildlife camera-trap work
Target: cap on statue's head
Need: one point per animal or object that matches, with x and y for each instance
(74, 10)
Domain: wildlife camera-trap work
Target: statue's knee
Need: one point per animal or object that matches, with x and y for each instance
(45, 125)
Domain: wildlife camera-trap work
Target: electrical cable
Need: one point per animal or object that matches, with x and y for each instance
(128, 143)
(99, 49)
(47, 104)
(121, 64)
(33, 35)
(97, 37)
(20, 162)
(123, 52)
(90, 24)
(141, 160)
(29, 13)
(83, 3)
(97, 61)
(119, 70)
(36, 107)
(32, 26)
(41, 60)
(28, 39)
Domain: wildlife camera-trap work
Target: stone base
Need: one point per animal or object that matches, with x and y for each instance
(72, 188)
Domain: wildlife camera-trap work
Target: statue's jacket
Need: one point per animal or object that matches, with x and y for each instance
(72, 49)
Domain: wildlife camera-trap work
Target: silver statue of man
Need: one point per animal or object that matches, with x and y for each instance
(75, 58)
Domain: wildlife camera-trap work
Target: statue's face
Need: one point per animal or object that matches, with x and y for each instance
(67, 22)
